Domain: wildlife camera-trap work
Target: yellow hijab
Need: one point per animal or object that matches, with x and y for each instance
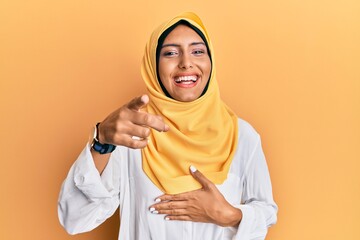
(203, 133)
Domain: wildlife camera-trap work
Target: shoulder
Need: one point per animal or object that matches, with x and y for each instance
(248, 140)
(247, 133)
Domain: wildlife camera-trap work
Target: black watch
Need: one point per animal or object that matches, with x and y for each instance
(96, 145)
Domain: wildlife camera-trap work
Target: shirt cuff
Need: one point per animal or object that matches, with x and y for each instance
(87, 178)
(246, 224)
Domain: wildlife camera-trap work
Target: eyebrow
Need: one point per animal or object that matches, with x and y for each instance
(178, 45)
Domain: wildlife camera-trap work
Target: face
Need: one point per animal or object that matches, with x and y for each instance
(184, 64)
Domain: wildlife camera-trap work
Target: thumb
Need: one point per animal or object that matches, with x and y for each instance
(138, 102)
(200, 177)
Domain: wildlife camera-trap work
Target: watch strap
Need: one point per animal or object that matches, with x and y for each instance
(99, 147)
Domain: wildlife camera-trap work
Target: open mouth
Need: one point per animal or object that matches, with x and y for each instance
(186, 79)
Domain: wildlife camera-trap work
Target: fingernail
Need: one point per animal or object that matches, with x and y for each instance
(193, 169)
(144, 98)
(155, 212)
(166, 127)
(152, 209)
(158, 200)
(167, 219)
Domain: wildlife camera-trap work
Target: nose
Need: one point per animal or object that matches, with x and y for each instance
(185, 61)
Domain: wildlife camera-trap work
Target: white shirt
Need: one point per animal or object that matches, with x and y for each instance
(87, 199)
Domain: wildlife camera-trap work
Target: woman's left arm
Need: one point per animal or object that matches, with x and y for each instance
(252, 217)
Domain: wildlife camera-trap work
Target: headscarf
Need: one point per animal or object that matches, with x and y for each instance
(203, 132)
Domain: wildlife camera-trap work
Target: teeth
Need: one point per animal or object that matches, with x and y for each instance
(186, 79)
(187, 82)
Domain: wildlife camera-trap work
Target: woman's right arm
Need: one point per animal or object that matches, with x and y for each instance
(91, 192)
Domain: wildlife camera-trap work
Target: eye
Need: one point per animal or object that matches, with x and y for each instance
(169, 53)
(198, 52)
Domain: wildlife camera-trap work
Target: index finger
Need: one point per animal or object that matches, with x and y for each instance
(138, 102)
(150, 120)
(173, 197)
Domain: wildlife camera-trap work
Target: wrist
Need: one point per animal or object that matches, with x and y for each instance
(232, 217)
(99, 136)
(97, 146)
(236, 217)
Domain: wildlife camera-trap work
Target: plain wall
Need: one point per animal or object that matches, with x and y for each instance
(289, 67)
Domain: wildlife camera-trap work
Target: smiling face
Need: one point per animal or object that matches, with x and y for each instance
(184, 64)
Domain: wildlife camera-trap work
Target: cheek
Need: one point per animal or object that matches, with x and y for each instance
(165, 70)
(205, 64)
(162, 72)
(206, 67)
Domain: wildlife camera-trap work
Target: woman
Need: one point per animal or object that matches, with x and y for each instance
(161, 140)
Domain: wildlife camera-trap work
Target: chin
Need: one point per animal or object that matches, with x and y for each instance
(187, 98)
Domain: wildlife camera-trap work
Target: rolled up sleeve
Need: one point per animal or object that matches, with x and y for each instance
(258, 207)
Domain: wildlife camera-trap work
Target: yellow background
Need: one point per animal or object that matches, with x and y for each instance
(289, 67)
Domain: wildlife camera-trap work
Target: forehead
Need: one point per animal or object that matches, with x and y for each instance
(182, 34)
